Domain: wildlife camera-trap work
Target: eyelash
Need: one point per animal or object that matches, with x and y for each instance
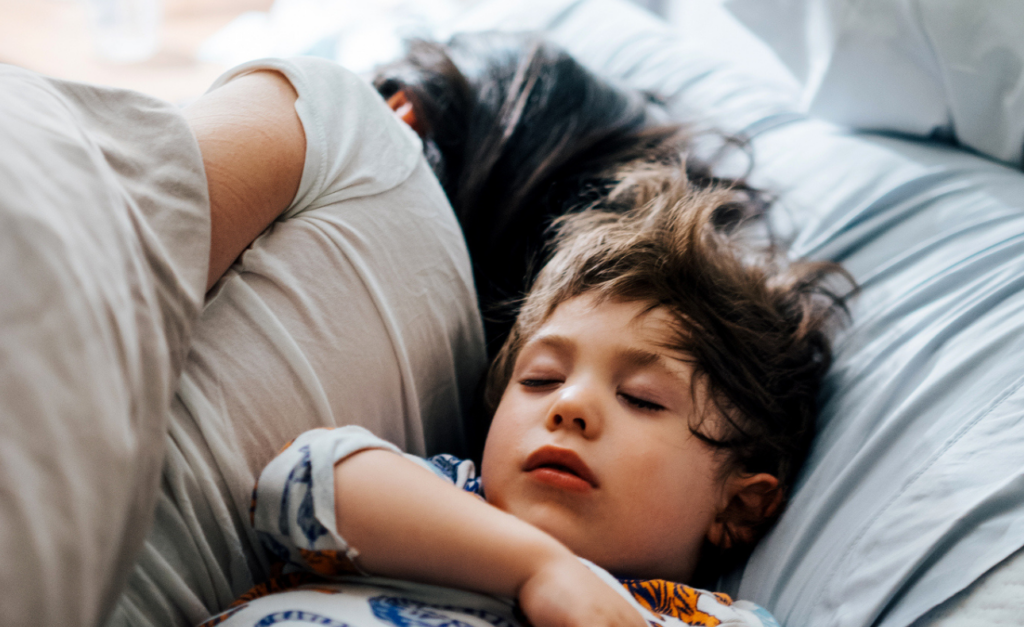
(537, 383)
(640, 403)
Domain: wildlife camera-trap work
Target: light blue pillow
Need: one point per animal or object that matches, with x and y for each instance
(915, 484)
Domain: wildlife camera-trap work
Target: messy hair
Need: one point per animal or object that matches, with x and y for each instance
(755, 327)
(518, 132)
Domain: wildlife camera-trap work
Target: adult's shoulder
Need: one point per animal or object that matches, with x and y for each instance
(355, 146)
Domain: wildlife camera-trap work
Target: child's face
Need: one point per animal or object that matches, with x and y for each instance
(591, 442)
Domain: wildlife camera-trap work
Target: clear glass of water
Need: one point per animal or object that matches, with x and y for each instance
(126, 31)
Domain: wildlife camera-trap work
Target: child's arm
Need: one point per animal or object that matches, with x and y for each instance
(409, 524)
(331, 494)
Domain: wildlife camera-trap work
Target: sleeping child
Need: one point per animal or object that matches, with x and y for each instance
(653, 403)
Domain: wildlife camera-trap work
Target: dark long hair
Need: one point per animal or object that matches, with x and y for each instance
(518, 133)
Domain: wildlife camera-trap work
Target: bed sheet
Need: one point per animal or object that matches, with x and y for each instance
(913, 489)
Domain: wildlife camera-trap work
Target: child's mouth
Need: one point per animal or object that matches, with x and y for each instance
(560, 477)
(561, 468)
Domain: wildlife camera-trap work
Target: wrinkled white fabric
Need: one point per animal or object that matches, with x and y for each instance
(104, 244)
(992, 601)
(952, 68)
(357, 307)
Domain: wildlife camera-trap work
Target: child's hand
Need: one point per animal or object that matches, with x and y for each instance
(564, 593)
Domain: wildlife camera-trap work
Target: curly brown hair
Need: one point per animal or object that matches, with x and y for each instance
(756, 326)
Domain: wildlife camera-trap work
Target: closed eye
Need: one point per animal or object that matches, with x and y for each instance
(538, 383)
(640, 403)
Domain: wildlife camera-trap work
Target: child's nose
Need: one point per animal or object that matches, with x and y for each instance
(575, 409)
(576, 422)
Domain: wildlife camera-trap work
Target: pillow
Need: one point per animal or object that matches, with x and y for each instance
(914, 486)
(953, 69)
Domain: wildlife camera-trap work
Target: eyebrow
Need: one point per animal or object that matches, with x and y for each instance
(639, 358)
(632, 357)
(559, 343)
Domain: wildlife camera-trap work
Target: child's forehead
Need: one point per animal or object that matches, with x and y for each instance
(625, 312)
(637, 327)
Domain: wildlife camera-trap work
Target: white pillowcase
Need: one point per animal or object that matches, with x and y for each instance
(953, 68)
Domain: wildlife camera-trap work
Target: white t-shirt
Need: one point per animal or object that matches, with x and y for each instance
(104, 248)
(357, 307)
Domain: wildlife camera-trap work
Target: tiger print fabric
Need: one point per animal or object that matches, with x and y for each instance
(674, 600)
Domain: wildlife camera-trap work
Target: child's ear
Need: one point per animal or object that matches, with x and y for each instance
(402, 106)
(747, 501)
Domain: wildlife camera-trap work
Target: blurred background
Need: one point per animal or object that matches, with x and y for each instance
(174, 49)
(58, 38)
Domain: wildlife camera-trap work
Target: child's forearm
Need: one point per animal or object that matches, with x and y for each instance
(409, 524)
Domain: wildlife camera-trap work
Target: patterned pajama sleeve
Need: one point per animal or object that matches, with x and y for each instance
(293, 510)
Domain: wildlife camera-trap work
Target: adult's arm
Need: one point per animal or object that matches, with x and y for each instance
(254, 149)
(103, 228)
